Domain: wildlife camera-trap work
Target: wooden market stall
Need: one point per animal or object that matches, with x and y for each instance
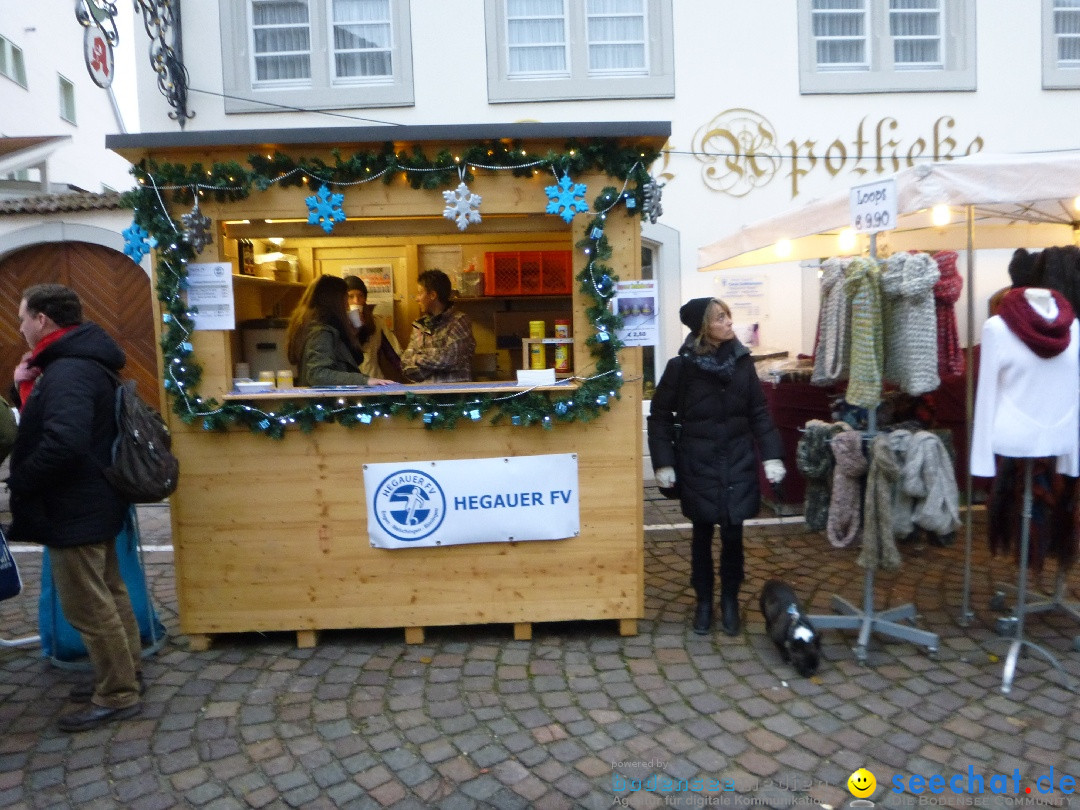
(270, 525)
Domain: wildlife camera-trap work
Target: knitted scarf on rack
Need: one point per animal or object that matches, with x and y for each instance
(1045, 338)
(907, 284)
(1054, 527)
(902, 505)
(946, 294)
(930, 480)
(879, 545)
(844, 511)
(815, 461)
(831, 354)
(862, 285)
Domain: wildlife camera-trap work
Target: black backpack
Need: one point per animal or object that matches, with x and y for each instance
(143, 469)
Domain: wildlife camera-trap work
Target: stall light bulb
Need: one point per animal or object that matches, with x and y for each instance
(783, 248)
(847, 240)
(1076, 203)
(940, 215)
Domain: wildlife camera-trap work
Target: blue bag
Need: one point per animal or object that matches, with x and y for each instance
(10, 583)
(61, 643)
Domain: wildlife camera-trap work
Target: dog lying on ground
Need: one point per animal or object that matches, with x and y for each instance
(789, 628)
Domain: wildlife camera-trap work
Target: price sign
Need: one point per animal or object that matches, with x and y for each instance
(873, 207)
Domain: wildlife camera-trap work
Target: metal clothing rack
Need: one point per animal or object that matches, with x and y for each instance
(1019, 642)
(865, 620)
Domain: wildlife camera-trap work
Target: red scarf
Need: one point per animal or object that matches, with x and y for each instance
(1045, 338)
(26, 386)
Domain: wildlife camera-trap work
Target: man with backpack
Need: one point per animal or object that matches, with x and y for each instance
(61, 498)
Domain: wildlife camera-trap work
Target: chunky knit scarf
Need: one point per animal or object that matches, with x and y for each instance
(903, 505)
(844, 511)
(1045, 338)
(862, 285)
(831, 355)
(930, 480)
(815, 461)
(907, 284)
(946, 294)
(879, 545)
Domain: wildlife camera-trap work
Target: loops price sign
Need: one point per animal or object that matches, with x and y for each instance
(873, 207)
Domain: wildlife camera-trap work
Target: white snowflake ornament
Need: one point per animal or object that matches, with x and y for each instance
(462, 206)
(567, 198)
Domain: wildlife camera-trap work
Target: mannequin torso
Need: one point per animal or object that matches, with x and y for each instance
(1042, 302)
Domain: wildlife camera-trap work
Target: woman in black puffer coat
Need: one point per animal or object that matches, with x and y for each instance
(712, 392)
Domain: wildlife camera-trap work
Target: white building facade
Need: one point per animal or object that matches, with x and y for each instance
(772, 103)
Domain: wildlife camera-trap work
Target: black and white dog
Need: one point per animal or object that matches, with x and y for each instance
(789, 628)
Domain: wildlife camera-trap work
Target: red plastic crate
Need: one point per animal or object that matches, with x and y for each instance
(527, 272)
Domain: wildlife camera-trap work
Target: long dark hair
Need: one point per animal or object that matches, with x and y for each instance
(324, 301)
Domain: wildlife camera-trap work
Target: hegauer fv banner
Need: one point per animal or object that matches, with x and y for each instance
(476, 500)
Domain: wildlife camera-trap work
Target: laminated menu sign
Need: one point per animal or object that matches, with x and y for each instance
(210, 295)
(635, 301)
(480, 500)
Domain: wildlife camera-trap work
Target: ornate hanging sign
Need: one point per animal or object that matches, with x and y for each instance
(98, 18)
(98, 54)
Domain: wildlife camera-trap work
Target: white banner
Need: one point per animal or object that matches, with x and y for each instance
(477, 500)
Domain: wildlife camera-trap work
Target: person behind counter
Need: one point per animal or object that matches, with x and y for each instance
(711, 391)
(441, 346)
(382, 352)
(320, 340)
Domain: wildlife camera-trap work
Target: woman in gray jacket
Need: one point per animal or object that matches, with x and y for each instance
(321, 341)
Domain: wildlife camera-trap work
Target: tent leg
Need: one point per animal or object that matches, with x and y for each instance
(966, 614)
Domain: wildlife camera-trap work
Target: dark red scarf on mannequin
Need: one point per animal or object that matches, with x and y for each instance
(1045, 338)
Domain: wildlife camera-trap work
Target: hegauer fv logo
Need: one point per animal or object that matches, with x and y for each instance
(409, 505)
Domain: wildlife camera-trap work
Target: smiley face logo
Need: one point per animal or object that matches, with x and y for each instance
(861, 783)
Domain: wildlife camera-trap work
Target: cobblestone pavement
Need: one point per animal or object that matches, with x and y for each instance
(577, 717)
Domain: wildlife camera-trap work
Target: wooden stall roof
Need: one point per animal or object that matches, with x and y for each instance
(131, 146)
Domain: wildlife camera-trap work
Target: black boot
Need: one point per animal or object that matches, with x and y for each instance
(703, 617)
(729, 611)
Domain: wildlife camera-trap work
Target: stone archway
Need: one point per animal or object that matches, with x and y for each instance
(115, 293)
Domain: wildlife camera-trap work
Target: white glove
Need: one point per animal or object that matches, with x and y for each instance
(665, 477)
(774, 470)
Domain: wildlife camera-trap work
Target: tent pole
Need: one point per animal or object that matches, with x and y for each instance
(966, 614)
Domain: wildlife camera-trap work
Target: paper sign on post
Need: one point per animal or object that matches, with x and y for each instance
(873, 206)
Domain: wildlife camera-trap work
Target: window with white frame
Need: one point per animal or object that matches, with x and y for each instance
(316, 54)
(12, 64)
(67, 100)
(1061, 44)
(859, 46)
(547, 50)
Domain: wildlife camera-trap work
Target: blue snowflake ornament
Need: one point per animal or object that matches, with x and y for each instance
(567, 198)
(135, 244)
(324, 208)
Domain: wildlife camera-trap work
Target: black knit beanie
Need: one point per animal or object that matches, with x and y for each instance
(692, 313)
(1023, 271)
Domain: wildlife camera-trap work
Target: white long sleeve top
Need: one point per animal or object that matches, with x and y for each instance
(1026, 406)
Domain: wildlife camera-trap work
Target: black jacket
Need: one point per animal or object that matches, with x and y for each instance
(723, 413)
(59, 495)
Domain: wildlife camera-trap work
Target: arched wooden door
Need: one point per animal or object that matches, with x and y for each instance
(115, 293)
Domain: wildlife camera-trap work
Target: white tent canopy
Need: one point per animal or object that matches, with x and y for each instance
(1017, 200)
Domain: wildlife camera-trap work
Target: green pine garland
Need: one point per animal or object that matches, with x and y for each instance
(230, 181)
